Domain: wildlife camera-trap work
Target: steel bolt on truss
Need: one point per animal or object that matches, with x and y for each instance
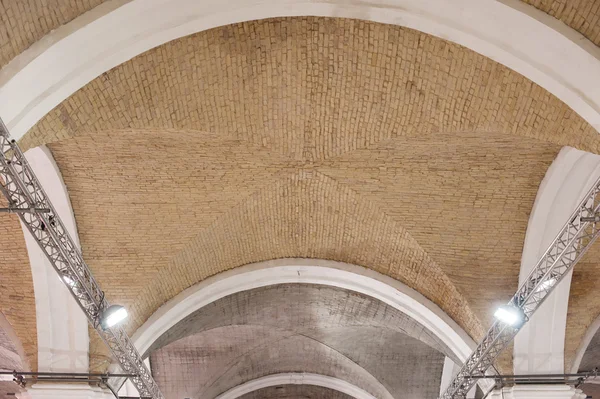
(572, 242)
(23, 191)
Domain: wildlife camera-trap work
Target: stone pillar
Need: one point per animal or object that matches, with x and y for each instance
(64, 391)
(538, 392)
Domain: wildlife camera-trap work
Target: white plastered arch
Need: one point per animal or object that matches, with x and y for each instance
(62, 328)
(539, 346)
(297, 379)
(306, 271)
(524, 39)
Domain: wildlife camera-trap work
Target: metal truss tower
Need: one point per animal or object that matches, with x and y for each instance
(27, 198)
(572, 242)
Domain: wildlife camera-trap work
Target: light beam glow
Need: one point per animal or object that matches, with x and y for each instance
(509, 315)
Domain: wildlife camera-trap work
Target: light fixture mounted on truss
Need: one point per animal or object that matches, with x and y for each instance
(571, 243)
(27, 199)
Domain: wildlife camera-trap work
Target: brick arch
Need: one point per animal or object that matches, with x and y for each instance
(291, 83)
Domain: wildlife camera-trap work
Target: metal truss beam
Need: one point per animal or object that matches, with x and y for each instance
(23, 191)
(571, 243)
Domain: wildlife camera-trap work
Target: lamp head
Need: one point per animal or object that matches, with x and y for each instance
(112, 316)
(510, 315)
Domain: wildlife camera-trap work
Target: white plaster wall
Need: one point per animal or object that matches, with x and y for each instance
(539, 346)
(518, 36)
(538, 392)
(62, 328)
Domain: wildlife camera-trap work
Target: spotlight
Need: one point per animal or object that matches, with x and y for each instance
(112, 316)
(510, 315)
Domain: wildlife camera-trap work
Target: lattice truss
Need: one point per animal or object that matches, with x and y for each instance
(572, 242)
(24, 193)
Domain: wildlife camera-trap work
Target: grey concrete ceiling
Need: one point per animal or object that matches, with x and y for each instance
(300, 306)
(298, 328)
(9, 358)
(591, 357)
(295, 392)
(590, 361)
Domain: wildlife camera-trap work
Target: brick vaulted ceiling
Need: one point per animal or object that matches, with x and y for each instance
(308, 137)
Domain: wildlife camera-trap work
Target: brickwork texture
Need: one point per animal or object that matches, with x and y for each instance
(24, 22)
(295, 85)
(581, 15)
(308, 137)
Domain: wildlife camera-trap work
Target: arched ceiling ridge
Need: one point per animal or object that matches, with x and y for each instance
(202, 255)
(376, 387)
(254, 349)
(197, 361)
